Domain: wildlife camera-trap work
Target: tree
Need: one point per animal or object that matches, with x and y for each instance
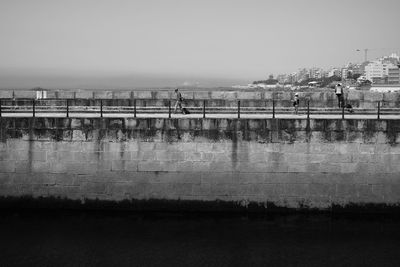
(355, 76)
(365, 82)
(270, 80)
(327, 81)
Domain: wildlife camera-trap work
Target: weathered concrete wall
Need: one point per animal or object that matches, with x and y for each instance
(290, 163)
(321, 98)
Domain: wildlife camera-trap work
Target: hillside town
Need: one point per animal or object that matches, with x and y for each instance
(381, 74)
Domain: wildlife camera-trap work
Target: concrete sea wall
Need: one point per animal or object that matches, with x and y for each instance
(281, 162)
(321, 98)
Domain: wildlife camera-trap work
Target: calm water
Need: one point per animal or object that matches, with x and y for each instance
(87, 239)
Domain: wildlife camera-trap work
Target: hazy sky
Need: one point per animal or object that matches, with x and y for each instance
(206, 38)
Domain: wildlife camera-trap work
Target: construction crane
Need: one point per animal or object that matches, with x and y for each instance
(369, 49)
(365, 53)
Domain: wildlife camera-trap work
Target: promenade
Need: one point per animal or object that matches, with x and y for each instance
(209, 116)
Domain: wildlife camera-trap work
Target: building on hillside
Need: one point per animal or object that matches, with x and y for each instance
(344, 73)
(358, 69)
(334, 72)
(281, 78)
(267, 86)
(291, 78)
(302, 74)
(393, 58)
(385, 88)
(315, 73)
(40, 93)
(352, 69)
(394, 75)
(324, 74)
(377, 71)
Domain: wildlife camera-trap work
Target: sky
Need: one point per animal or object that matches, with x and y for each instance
(208, 42)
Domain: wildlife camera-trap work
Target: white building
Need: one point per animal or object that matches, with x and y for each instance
(334, 72)
(394, 76)
(377, 70)
(385, 88)
(344, 72)
(41, 93)
(315, 73)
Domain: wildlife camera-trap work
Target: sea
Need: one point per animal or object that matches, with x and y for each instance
(49, 238)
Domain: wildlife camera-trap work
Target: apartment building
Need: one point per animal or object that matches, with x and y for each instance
(394, 75)
(334, 72)
(378, 71)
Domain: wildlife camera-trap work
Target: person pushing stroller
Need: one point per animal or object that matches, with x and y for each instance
(179, 102)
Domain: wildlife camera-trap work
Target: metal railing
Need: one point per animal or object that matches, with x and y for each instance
(68, 107)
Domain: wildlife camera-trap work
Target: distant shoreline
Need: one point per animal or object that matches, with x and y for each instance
(154, 88)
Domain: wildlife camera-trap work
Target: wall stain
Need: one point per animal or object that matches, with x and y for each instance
(393, 129)
(234, 138)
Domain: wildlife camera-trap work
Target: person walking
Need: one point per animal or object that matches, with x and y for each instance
(296, 102)
(179, 100)
(339, 94)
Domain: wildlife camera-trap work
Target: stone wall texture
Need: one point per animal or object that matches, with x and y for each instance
(291, 163)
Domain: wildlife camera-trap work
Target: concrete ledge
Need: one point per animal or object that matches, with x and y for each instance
(6, 94)
(66, 95)
(24, 94)
(213, 99)
(103, 94)
(84, 94)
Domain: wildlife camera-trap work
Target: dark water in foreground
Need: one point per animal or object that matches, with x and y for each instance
(88, 239)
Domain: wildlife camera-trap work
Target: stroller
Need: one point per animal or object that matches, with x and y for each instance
(185, 111)
(349, 108)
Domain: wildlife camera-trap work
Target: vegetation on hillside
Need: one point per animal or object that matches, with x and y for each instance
(270, 80)
(323, 82)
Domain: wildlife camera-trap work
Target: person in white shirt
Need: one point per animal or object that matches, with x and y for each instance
(339, 94)
(296, 102)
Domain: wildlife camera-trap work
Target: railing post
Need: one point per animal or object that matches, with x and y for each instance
(0, 109)
(101, 108)
(238, 109)
(33, 108)
(342, 112)
(169, 109)
(134, 108)
(308, 109)
(273, 108)
(265, 105)
(379, 110)
(67, 108)
(204, 109)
